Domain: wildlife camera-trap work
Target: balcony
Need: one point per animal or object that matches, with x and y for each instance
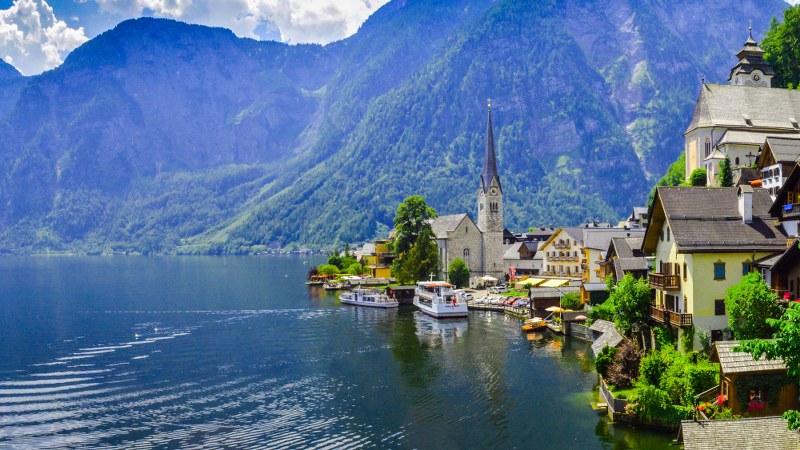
(673, 318)
(561, 245)
(665, 282)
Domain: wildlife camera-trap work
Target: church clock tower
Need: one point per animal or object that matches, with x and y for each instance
(490, 208)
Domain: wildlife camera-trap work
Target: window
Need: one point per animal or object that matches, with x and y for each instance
(466, 256)
(719, 270)
(737, 161)
(662, 235)
(685, 269)
(708, 147)
(667, 234)
(747, 267)
(716, 335)
(719, 307)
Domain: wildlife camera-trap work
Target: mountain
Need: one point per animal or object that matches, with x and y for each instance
(158, 136)
(8, 72)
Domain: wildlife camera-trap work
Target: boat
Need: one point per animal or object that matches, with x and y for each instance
(439, 332)
(368, 297)
(317, 280)
(437, 299)
(333, 285)
(537, 323)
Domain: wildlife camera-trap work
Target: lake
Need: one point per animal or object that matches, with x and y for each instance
(204, 352)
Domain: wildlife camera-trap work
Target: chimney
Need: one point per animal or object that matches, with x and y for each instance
(746, 203)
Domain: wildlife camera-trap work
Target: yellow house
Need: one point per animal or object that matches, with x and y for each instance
(377, 258)
(704, 240)
(562, 253)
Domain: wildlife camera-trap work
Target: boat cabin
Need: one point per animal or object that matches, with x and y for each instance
(436, 290)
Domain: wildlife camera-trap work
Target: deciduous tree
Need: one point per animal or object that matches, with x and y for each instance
(749, 304)
(458, 273)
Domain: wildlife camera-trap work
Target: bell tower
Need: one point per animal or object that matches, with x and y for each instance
(490, 192)
(752, 69)
(490, 209)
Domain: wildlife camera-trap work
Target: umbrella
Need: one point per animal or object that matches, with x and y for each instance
(581, 317)
(488, 278)
(554, 309)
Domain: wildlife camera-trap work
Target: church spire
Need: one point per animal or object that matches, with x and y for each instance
(489, 162)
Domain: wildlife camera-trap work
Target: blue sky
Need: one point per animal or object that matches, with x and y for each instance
(36, 35)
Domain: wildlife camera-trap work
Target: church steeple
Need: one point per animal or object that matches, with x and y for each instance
(752, 69)
(489, 162)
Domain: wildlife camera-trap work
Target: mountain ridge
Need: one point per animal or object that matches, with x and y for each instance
(158, 136)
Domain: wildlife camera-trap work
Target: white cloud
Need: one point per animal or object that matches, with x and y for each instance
(319, 21)
(33, 39)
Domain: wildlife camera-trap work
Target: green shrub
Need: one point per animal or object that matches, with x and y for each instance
(651, 368)
(698, 177)
(604, 360)
(328, 269)
(572, 300)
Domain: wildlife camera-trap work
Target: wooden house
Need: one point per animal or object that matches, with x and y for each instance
(753, 387)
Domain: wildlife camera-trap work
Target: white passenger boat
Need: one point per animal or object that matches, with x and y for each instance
(437, 299)
(368, 297)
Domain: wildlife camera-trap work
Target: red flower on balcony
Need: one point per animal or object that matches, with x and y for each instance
(721, 399)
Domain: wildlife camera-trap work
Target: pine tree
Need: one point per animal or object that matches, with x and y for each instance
(725, 173)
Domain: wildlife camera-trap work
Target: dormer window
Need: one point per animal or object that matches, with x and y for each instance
(747, 120)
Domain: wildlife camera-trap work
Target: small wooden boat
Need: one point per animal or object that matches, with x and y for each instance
(537, 323)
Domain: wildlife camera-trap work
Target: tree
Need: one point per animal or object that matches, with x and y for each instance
(725, 173)
(413, 216)
(458, 273)
(785, 344)
(572, 300)
(782, 50)
(749, 304)
(698, 177)
(631, 299)
(625, 364)
(328, 269)
(414, 242)
(356, 269)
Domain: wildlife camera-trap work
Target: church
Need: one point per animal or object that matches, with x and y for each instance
(735, 119)
(479, 245)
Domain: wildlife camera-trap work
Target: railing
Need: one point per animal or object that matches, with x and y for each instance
(562, 245)
(665, 282)
(677, 319)
(707, 395)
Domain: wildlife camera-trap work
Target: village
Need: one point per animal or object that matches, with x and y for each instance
(667, 294)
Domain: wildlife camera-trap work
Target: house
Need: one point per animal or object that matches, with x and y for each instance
(479, 245)
(703, 241)
(782, 271)
(753, 387)
(734, 120)
(521, 256)
(543, 297)
(786, 207)
(624, 255)
(779, 155)
(561, 253)
(596, 242)
(638, 218)
(377, 258)
(753, 433)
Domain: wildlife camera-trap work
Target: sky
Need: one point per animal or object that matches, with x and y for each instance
(36, 35)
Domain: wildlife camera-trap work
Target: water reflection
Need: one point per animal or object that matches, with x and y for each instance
(435, 332)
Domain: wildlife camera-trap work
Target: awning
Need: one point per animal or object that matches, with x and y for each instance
(555, 282)
(531, 282)
(488, 278)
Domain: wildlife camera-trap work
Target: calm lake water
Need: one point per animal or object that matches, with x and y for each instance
(204, 352)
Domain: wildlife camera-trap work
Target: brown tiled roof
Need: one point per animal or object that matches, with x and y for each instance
(742, 362)
(754, 433)
(708, 219)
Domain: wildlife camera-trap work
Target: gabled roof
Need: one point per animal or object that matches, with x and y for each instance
(725, 105)
(743, 137)
(513, 251)
(752, 433)
(788, 259)
(731, 361)
(610, 337)
(780, 198)
(600, 238)
(708, 219)
(574, 233)
(781, 149)
(442, 224)
(627, 247)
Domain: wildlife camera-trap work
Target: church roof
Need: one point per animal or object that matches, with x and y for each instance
(442, 224)
(730, 106)
(489, 161)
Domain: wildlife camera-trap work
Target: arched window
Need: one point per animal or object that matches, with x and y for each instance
(466, 256)
(708, 147)
(737, 161)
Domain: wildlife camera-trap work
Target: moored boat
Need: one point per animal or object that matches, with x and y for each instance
(437, 299)
(537, 323)
(333, 285)
(368, 297)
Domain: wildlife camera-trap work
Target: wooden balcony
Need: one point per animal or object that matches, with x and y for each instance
(673, 318)
(665, 282)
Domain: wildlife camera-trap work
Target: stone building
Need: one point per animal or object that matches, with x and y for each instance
(479, 245)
